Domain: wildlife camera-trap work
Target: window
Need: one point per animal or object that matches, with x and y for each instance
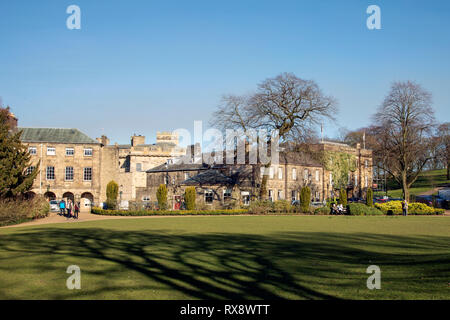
(356, 180)
(87, 174)
(32, 151)
(146, 198)
(270, 195)
(366, 181)
(271, 172)
(51, 151)
(280, 173)
(70, 151)
(317, 175)
(294, 195)
(280, 194)
(306, 174)
(50, 173)
(245, 197)
(69, 174)
(294, 174)
(227, 195)
(30, 170)
(88, 152)
(366, 163)
(209, 196)
(138, 167)
(186, 175)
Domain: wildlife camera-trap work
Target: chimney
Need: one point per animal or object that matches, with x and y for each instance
(137, 140)
(103, 140)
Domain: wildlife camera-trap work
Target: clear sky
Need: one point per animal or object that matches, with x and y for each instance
(146, 66)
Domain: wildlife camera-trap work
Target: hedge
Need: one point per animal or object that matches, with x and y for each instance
(360, 209)
(415, 208)
(99, 211)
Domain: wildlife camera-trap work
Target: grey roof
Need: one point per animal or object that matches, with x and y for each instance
(179, 167)
(56, 135)
(209, 178)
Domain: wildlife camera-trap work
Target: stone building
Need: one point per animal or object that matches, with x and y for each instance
(219, 184)
(70, 164)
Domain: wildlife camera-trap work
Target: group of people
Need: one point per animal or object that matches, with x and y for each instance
(337, 209)
(66, 210)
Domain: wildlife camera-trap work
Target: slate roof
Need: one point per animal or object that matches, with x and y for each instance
(179, 167)
(56, 135)
(209, 178)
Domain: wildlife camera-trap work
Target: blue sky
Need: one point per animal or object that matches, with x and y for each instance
(146, 66)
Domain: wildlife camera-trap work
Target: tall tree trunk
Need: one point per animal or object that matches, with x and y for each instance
(405, 187)
(448, 170)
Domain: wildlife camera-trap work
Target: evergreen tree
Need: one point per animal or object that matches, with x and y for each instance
(305, 199)
(112, 190)
(343, 197)
(161, 195)
(14, 160)
(189, 198)
(369, 199)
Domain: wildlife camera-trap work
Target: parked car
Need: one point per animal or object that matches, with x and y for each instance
(394, 199)
(54, 205)
(428, 200)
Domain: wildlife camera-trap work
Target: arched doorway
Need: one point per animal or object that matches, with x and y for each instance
(86, 201)
(69, 196)
(50, 196)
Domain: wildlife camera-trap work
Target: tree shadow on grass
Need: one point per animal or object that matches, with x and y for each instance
(229, 266)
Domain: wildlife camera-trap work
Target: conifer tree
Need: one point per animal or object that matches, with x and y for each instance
(14, 160)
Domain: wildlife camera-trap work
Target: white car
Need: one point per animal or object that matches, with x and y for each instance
(54, 205)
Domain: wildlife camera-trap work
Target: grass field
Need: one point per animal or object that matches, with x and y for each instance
(272, 257)
(426, 181)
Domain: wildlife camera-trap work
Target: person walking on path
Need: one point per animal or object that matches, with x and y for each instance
(62, 208)
(69, 208)
(76, 210)
(405, 207)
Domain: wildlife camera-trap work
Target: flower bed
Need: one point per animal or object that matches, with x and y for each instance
(415, 208)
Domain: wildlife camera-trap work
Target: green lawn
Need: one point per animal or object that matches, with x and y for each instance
(259, 257)
(426, 181)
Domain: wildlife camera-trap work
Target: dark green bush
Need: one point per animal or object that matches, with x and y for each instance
(112, 190)
(360, 209)
(369, 197)
(343, 197)
(189, 198)
(161, 195)
(305, 199)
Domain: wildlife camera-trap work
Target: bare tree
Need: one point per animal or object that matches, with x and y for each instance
(285, 103)
(405, 122)
(443, 146)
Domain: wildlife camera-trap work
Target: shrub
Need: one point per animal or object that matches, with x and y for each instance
(260, 207)
(13, 211)
(360, 209)
(99, 211)
(322, 211)
(161, 195)
(343, 197)
(415, 208)
(189, 198)
(112, 190)
(369, 197)
(305, 199)
(282, 206)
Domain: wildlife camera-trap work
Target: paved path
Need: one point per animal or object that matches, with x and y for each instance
(83, 216)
